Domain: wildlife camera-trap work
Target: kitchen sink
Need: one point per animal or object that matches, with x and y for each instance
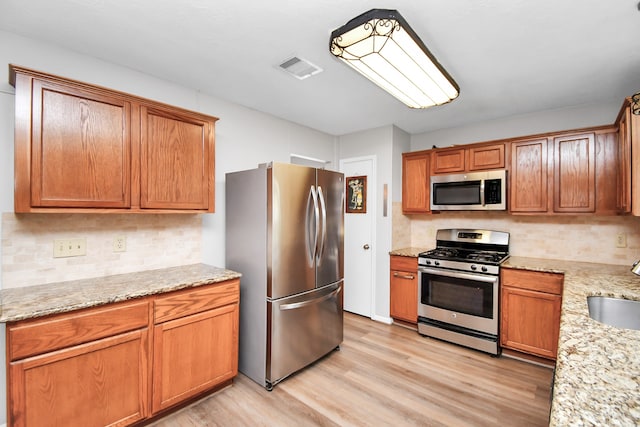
(618, 312)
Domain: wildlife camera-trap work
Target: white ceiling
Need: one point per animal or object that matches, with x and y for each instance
(509, 57)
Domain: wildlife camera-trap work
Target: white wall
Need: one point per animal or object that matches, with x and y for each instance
(244, 137)
(527, 124)
(379, 143)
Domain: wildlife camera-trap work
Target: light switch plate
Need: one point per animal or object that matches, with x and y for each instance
(63, 248)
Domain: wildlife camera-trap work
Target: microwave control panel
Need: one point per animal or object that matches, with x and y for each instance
(492, 191)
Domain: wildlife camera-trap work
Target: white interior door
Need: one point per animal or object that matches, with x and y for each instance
(358, 239)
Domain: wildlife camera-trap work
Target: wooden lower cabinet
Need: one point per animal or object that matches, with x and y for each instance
(95, 384)
(530, 311)
(193, 354)
(404, 289)
(102, 366)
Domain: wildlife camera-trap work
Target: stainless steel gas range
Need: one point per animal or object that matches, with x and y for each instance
(459, 287)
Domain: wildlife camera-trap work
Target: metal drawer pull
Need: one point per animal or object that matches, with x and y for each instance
(403, 276)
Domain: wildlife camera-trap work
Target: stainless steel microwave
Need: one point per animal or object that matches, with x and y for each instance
(469, 191)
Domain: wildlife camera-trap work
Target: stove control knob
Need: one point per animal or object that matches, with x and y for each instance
(427, 262)
(436, 262)
(484, 269)
(473, 267)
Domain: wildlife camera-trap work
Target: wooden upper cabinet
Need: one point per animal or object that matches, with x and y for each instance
(467, 159)
(623, 176)
(574, 173)
(448, 161)
(83, 148)
(529, 179)
(635, 163)
(176, 160)
(79, 147)
(486, 157)
(415, 182)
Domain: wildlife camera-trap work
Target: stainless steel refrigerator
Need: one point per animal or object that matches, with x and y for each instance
(285, 234)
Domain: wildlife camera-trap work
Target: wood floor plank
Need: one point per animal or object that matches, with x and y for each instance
(385, 375)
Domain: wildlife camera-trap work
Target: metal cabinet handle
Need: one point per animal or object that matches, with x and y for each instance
(365, 247)
(403, 276)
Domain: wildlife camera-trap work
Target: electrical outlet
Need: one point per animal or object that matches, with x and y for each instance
(621, 240)
(120, 244)
(63, 248)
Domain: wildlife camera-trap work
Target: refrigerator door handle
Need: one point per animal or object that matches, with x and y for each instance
(323, 237)
(318, 300)
(313, 250)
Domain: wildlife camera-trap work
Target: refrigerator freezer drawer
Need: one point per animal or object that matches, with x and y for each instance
(303, 328)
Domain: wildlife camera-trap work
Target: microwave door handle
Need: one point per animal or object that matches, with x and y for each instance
(482, 192)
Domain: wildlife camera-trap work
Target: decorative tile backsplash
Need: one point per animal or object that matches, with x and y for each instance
(572, 237)
(152, 241)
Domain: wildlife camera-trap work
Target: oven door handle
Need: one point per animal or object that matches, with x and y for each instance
(459, 275)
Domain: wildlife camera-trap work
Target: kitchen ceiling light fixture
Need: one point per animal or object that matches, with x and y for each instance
(382, 46)
(635, 103)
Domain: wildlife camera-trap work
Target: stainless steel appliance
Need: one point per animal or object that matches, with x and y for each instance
(459, 286)
(285, 234)
(470, 191)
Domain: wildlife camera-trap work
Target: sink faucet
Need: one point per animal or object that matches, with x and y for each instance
(635, 268)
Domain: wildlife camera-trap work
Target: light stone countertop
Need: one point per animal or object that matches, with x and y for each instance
(597, 378)
(42, 300)
(408, 252)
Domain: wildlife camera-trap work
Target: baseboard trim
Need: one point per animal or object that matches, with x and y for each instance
(382, 319)
(529, 358)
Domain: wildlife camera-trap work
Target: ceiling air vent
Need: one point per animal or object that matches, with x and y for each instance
(300, 68)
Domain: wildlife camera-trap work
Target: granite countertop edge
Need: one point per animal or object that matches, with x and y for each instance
(60, 297)
(408, 251)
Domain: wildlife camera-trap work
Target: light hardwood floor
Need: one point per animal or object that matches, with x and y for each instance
(385, 376)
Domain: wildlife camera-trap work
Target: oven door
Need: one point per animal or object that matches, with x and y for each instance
(463, 299)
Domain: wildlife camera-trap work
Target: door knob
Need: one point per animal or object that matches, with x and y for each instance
(365, 247)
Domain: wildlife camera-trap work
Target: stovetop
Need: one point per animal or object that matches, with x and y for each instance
(480, 251)
(469, 255)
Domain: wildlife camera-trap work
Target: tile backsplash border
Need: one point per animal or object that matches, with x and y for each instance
(585, 238)
(152, 241)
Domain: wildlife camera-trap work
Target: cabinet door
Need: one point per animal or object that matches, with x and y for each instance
(80, 148)
(529, 180)
(486, 157)
(176, 160)
(448, 161)
(415, 182)
(94, 384)
(193, 354)
(530, 321)
(404, 288)
(404, 295)
(574, 173)
(623, 193)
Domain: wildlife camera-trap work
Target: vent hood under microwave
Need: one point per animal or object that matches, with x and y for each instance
(471, 191)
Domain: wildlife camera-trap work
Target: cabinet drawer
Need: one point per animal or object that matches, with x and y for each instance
(533, 280)
(31, 337)
(404, 263)
(196, 300)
